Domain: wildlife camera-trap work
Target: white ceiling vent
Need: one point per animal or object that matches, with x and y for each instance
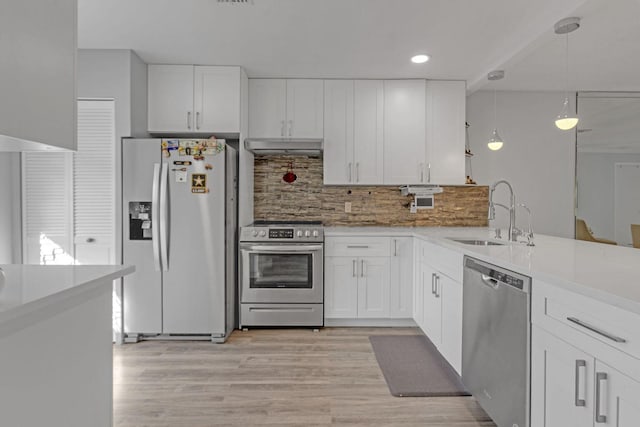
(250, 2)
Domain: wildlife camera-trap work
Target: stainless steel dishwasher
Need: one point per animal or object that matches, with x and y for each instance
(496, 329)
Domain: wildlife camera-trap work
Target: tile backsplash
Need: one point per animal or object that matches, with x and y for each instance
(308, 199)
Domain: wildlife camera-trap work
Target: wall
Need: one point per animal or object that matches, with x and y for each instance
(308, 199)
(37, 74)
(596, 190)
(537, 158)
(10, 224)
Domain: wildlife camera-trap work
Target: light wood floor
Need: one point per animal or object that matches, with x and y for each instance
(287, 377)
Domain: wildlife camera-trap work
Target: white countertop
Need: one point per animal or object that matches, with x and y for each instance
(30, 289)
(608, 273)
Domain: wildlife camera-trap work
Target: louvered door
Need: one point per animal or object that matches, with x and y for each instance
(94, 183)
(46, 207)
(69, 198)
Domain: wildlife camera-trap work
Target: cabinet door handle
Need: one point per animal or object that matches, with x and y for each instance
(357, 171)
(596, 330)
(579, 364)
(421, 172)
(437, 285)
(90, 240)
(353, 269)
(600, 417)
(197, 119)
(433, 283)
(361, 268)
(290, 127)
(281, 127)
(395, 247)
(189, 120)
(357, 246)
(350, 175)
(429, 173)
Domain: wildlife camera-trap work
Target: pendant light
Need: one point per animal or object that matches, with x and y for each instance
(495, 142)
(566, 120)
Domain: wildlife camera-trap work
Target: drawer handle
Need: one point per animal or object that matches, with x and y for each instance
(600, 417)
(280, 309)
(596, 330)
(579, 364)
(357, 246)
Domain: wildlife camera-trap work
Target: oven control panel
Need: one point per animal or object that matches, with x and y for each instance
(281, 234)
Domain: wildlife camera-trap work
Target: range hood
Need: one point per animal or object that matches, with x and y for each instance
(285, 146)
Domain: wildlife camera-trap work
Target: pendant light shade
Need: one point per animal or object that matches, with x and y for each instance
(566, 119)
(495, 142)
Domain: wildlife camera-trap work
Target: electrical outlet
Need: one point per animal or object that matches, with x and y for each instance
(347, 207)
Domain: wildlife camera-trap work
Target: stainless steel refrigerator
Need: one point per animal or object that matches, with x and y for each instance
(179, 230)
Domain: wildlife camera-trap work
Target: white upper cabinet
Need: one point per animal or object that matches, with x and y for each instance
(338, 132)
(305, 101)
(286, 108)
(445, 131)
(170, 98)
(368, 131)
(353, 132)
(404, 132)
(217, 99)
(267, 107)
(193, 99)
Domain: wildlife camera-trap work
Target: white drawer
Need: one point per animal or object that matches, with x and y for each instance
(446, 261)
(553, 306)
(357, 246)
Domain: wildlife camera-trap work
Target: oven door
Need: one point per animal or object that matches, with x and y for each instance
(281, 273)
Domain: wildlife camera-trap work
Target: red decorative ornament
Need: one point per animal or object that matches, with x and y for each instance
(289, 177)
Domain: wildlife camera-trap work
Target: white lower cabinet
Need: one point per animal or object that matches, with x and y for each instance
(438, 300)
(401, 278)
(356, 287)
(373, 287)
(571, 388)
(432, 305)
(369, 277)
(584, 361)
(620, 397)
(341, 287)
(451, 339)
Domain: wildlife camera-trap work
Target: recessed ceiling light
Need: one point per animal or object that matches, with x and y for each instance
(420, 59)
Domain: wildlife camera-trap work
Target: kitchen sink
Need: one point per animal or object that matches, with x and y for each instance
(477, 242)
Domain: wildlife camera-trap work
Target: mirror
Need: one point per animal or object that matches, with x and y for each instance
(608, 164)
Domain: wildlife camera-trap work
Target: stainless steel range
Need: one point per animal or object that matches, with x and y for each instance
(281, 274)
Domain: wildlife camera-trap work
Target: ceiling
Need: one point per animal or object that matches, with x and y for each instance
(375, 38)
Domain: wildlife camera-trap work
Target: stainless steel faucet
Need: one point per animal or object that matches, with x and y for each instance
(513, 233)
(529, 233)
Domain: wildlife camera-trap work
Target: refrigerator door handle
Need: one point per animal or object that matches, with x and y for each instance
(164, 214)
(155, 216)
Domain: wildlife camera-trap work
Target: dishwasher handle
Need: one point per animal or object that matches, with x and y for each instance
(491, 282)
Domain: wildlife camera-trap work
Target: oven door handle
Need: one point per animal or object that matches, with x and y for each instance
(283, 248)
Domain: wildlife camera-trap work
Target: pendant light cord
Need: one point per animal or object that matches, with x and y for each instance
(566, 74)
(495, 114)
